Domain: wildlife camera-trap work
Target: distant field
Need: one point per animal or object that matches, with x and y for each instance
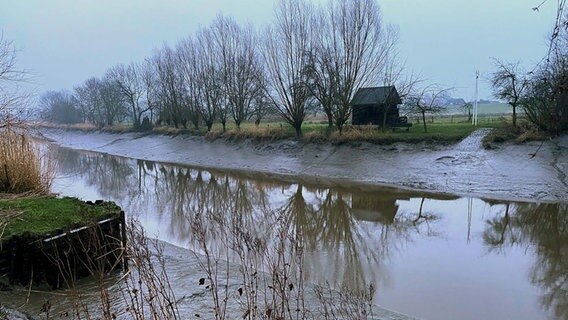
(488, 108)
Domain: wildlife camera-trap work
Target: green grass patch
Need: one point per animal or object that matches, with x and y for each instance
(49, 215)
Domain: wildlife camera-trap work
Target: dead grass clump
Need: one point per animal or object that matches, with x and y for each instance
(314, 137)
(353, 133)
(525, 132)
(214, 134)
(271, 280)
(118, 128)
(345, 303)
(87, 127)
(22, 167)
(256, 133)
(166, 130)
(532, 134)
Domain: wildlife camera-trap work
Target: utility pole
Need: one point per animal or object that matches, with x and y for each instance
(474, 118)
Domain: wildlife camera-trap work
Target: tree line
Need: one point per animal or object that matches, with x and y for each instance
(543, 91)
(310, 57)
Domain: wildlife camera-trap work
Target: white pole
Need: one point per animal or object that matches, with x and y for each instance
(475, 104)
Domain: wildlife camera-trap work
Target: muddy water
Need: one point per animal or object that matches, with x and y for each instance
(430, 256)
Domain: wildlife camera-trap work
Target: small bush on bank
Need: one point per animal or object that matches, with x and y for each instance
(525, 132)
(532, 134)
(498, 135)
(22, 168)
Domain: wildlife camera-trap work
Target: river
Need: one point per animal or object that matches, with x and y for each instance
(429, 255)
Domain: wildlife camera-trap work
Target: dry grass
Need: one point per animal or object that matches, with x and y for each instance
(83, 126)
(532, 134)
(142, 292)
(214, 134)
(256, 133)
(354, 133)
(22, 166)
(167, 130)
(270, 282)
(525, 132)
(86, 127)
(314, 137)
(117, 128)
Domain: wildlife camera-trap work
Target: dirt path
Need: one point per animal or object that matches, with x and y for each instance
(465, 168)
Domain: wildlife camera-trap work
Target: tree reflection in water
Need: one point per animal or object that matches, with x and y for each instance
(347, 233)
(542, 228)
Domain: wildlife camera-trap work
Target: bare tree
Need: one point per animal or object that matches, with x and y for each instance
(209, 78)
(426, 101)
(59, 107)
(114, 109)
(467, 109)
(546, 100)
(242, 73)
(90, 102)
(100, 102)
(151, 88)
(12, 99)
(174, 110)
(405, 83)
(130, 82)
(352, 48)
(261, 107)
(510, 84)
(286, 53)
(200, 103)
(322, 79)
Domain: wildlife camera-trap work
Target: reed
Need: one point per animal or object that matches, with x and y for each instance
(23, 168)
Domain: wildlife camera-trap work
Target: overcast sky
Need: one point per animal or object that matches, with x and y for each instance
(445, 41)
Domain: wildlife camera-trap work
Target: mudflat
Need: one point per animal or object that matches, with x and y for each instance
(511, 171)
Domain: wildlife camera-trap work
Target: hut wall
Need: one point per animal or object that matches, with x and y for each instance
(372, 114)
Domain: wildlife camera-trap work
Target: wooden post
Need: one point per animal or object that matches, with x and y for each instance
(123, 238)
(12, 255)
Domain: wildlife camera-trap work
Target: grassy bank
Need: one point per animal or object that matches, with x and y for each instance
(37, 216)
(443, 130)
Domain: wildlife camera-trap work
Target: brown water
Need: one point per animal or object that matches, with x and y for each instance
(431, 256)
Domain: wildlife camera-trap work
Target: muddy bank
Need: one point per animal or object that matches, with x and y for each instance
(10, 314)
(508, 172)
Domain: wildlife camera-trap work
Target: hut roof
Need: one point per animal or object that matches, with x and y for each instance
(376, 95)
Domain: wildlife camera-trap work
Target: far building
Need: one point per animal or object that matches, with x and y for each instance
(369, 105)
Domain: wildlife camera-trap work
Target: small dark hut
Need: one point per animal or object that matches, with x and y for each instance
(369, 105)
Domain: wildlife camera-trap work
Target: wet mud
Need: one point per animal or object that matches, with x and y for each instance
(508, 172)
